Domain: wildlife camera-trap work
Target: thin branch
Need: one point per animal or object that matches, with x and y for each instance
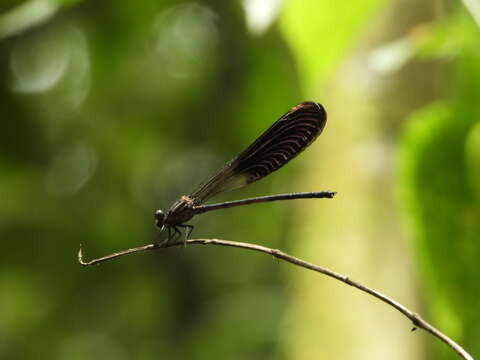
(417, 321)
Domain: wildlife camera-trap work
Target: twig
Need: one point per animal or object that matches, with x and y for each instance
(417, 321)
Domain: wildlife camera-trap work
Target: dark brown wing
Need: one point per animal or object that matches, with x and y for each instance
(285, 139)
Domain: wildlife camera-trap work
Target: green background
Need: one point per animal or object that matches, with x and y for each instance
(110, 110)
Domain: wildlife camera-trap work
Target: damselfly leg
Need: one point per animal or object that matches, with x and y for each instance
(188, 230)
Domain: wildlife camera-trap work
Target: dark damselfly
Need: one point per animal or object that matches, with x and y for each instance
(280, 143)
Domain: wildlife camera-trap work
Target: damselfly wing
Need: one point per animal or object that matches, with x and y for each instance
(285, 139)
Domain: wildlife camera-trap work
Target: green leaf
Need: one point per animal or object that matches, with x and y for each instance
(443, 214)
(321, 32)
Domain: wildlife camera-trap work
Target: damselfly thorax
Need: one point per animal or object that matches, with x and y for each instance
(179, 213)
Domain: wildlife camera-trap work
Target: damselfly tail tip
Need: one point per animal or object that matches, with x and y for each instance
(331, 194)
(325, 194)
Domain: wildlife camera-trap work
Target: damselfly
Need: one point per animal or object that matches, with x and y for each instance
(280, 143)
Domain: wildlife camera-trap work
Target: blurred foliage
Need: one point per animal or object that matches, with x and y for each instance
(109, 111)
(112, 109)
(320, 34)
(439, 182)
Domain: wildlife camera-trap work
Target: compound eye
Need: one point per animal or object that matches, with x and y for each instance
(159, 215)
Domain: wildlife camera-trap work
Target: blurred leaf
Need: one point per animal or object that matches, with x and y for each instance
(439, 164)
(26, 15)
(473, 7)
(321, 32)
(439, 181)
(447, 39)
(443, 216)
(472, 153)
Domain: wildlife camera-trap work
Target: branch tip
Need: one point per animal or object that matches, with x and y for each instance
(80, 256)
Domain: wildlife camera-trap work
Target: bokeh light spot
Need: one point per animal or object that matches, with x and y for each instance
(70, 170)
(186, 38)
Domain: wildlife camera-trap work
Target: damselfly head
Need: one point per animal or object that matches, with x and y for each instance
(160, 219)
